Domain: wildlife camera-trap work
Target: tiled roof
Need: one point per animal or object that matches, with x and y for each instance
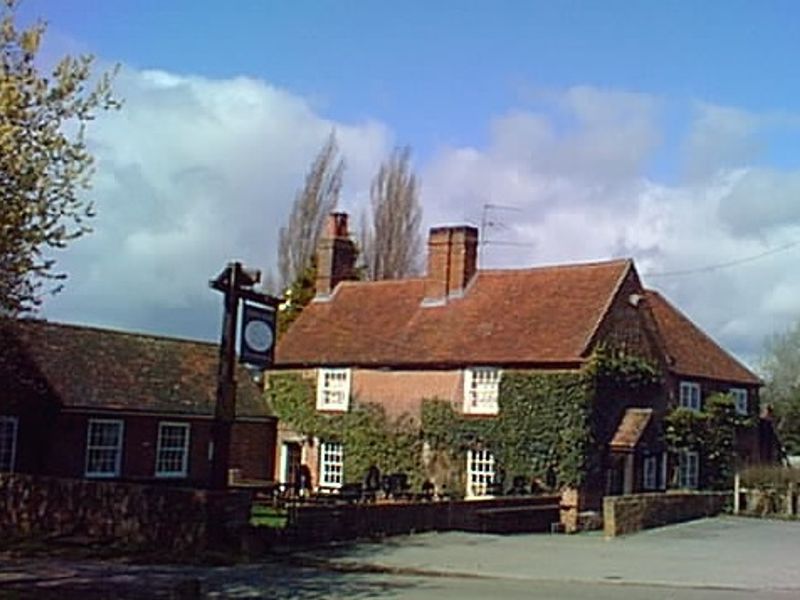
(691, 352)
(533, 316)
(93, 368)
(631, 428)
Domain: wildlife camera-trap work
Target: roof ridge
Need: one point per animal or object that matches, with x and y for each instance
(352, 282)
(572, 265)
(107, 330)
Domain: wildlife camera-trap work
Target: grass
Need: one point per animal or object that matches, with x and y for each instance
(268, 516)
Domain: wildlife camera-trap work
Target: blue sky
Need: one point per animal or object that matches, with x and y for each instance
(434, 70)
(667, 131)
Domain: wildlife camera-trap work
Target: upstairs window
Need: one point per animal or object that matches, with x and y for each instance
(690, 395)
(333, 389)
(8, 443)
(172, 454)
(481, 390)
(739, 396)
(103, 448)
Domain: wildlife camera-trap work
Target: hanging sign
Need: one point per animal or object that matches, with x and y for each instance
(257, 336)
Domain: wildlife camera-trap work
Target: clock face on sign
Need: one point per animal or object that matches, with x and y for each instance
(258, 335)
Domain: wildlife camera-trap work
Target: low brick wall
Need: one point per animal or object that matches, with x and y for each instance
(628, 514)
(327, 523)
(147, 516)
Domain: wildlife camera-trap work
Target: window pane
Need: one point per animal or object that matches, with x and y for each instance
(173, 449)
(331, 464)
(103, 448)
(8, 441)
(480, 472)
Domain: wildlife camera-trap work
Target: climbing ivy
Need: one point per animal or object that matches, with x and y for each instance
(545, 429)
(369, 436)
(712, 433)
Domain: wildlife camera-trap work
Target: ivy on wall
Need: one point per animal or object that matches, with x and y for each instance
(369, 436)
(712, 433)
(545, 429)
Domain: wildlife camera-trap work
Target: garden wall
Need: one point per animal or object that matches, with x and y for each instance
(500, 515)
(146, 516)
(628, 514)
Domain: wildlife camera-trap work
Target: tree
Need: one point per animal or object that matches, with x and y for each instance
(319, 196)
(44, 161)
(391, 242)
(780, 365)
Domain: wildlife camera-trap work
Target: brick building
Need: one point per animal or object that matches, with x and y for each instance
(84, 402)
(452, 333)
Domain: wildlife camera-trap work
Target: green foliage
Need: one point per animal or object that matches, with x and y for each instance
(616, 368)
(712, 433)
(369, 436)
(44, 160)
(544, 429)
(296, 297)
(544, 425)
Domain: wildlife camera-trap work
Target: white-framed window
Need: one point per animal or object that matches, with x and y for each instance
(739, 396)
(8, 443)
(331, 464)
(333, 389)
(104, 447)
(688, 469)
(172, 452)
(650, 470)
(690, 395)
(481, 390)
(480, 472)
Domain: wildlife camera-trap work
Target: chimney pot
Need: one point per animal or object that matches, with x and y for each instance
(336, 255)
(452, 261)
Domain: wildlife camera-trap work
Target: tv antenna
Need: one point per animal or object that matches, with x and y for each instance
(489, 222)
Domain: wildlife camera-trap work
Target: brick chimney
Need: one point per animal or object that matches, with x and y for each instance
(452, 261)
(336, 255)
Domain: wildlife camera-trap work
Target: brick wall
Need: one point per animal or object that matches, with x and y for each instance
(157, 517)
(252, 446)
(326, 523)
(628, 514)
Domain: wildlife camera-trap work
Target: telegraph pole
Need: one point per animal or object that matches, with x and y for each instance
(235, 282)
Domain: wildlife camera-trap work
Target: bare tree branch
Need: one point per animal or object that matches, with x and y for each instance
(318, 197)
(391, 243)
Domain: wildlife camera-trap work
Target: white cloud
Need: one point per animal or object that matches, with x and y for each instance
(581, 194)
(194, 172)
(191, 174)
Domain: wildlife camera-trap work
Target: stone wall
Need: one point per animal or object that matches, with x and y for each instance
(145, 516)
(628, 514)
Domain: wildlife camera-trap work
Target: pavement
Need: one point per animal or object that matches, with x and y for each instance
(724, 557)
(727, 553)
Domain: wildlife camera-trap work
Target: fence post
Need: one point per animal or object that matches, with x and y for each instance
(736, 490)
(790, 499)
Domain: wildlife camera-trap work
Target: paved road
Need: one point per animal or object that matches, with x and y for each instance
(711, 559)
(725, 552)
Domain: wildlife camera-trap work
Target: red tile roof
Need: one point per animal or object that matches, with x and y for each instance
(631, 428)
(539, 316)
(86, 367)
(691, 351)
